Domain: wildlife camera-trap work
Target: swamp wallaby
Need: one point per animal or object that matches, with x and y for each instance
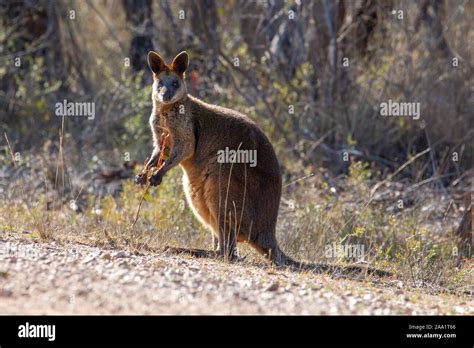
(232, 178)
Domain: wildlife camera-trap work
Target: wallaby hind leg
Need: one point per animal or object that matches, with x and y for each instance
(224, 248)
(227, 245)
(224, 237)
(215, 242)
(266, 245)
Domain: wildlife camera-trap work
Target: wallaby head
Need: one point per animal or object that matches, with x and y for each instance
(168, 79)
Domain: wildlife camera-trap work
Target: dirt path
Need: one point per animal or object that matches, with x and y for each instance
(47, 278)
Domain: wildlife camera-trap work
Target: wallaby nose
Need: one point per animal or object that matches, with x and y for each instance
(167, 95)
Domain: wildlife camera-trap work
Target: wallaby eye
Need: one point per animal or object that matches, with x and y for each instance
(175, 84)
(160, 83)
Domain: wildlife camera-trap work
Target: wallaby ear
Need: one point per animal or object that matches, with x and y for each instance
(155, 62)
(180, 62)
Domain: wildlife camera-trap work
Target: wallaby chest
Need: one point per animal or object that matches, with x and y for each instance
(177, 121)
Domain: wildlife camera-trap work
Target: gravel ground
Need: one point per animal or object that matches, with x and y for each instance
(48, 278)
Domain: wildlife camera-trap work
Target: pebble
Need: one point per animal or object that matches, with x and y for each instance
(272, 287)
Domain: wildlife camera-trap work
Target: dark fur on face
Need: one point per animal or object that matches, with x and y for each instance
(168, 88)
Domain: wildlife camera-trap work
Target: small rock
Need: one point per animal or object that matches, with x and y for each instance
(81, 292)
(91, 256)
(273, 287)
(267, 296)
(119, 254)
(6, 293)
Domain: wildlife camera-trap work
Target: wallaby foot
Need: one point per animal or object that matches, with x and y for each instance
(211, 254)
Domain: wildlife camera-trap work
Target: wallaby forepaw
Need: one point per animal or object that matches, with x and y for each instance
(140, 179)
(156, 179)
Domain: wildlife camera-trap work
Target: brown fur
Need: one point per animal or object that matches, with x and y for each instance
(239, 203)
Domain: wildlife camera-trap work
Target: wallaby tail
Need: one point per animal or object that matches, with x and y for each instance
(281, 259)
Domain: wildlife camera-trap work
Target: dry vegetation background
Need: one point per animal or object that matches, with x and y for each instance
(351, 176)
